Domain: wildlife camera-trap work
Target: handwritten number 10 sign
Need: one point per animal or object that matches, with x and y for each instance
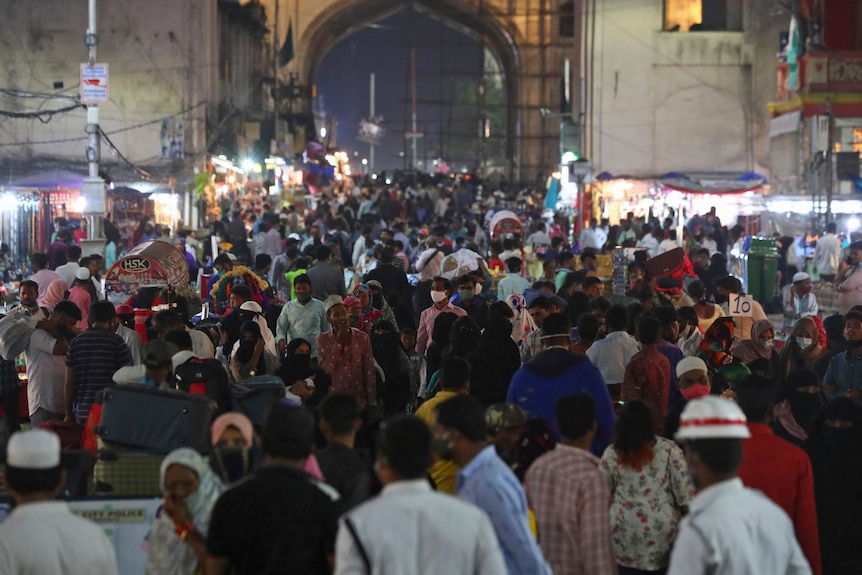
(740, 305)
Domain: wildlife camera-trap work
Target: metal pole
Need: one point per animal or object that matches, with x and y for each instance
(413, 80)
(94, 144)
(827, 110)
(275, 98)
(371, 119)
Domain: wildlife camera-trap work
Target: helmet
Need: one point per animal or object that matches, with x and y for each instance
(711, 417)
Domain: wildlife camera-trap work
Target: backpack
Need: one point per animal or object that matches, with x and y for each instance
(205, 377)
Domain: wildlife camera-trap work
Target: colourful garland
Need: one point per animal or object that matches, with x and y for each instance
(221, 290)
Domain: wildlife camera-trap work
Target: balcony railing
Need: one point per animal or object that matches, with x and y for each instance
(820, 72)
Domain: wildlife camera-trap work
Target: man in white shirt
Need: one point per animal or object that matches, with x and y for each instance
(648, 241)
(130, 336)
(435, 533)
(539, 238)
(68, 270)
(66, 542)
(589, 237)
(167, 320)
(46, 363)
(669, 244)
(827, 253)
(798, 300)
(729, 529)
(614, 352)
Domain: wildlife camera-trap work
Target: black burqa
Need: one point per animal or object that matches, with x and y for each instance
(494, 362)
(395, 390)
(835, 448)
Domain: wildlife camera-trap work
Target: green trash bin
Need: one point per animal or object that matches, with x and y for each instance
(761, 271)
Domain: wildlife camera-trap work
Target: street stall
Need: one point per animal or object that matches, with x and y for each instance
(152, 264)
(505, 223)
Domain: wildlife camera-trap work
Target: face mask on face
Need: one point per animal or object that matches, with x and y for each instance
(478, 289)
(766, 343)
(246, 350)
(466, 294)
(233, 464)
(368, 252)
(695, 391)
(438, 296)
(804, 342)
(303, 297)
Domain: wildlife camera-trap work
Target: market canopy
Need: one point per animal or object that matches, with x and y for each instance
(711, 183)
(699, 182)
(150, 264)
(50, 180)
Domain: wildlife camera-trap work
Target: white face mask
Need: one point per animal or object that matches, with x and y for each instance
(766, 343)
(804, 342)
(478, 289)
(438, 296)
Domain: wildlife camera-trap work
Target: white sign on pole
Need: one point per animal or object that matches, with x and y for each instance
(94, 84)
(740, 305)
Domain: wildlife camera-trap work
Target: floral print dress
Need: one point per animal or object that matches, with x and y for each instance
(647, 505)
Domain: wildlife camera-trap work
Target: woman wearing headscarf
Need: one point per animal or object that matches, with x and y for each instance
(251, 311)
(57, 292)
(798, 402)
(716, 344)
(250, 356)
(835, 448)
(296, 367)
(494, 362)
(177, 542)
(802, 348)
(381, 303)
(396, 391)
(370, 315)
(758, 353)
(522, 323)
(235, 451)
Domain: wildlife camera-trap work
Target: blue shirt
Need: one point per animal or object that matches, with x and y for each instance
(473, 308)
(490, 485)
(555, 373)
(845, 373)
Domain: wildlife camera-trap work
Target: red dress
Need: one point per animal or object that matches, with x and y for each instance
(648, 378)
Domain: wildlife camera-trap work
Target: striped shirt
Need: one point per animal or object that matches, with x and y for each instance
(94, 356)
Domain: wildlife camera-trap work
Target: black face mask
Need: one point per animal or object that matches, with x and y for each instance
(245, 351)
(232, 464)
(292, 253)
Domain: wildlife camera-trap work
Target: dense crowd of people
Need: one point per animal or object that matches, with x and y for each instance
(508, 416)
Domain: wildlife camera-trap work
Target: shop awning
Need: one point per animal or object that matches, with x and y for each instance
(50, 180)
(711, 183)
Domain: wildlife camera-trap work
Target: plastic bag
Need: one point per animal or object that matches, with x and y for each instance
(15, 331)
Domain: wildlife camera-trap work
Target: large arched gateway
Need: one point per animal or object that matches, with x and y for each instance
(524, 36)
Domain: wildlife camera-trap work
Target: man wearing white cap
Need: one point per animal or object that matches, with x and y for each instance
(42, 535)
(692, 380)
(730, 529)
(798, 300)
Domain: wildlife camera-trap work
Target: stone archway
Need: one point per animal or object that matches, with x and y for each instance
(531, 140)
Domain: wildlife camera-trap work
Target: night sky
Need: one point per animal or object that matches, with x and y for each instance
(447, 61)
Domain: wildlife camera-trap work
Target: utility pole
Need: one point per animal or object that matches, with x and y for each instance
(827, 111)
(275, 95)
(93, 190)
(373, 121)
